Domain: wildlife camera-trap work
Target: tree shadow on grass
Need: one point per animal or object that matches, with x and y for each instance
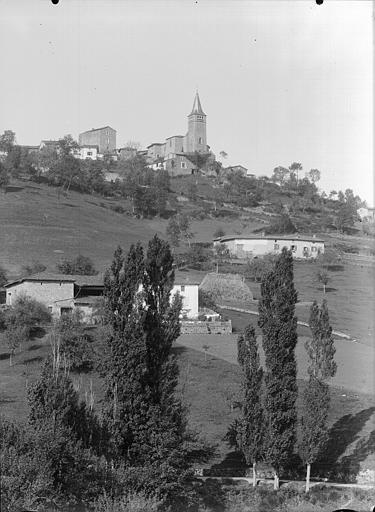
(351, 464)
(233, 462)
(178, 350)
(13, 188)
(4, 355)
(342, 434)
(36, 346)
(35, 359)
(38, 332)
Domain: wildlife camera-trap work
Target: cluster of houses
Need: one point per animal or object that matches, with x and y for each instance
(62, 294)
(176, 154)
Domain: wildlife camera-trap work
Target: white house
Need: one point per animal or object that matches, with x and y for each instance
(366, 213)
(243, 247)
(188, 290)
(62, 294)
(90, 152)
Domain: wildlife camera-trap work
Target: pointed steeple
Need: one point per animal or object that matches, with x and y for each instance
(197, 107)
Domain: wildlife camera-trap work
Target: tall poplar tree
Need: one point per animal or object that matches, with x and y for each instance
(316, 397)
(144, 415)
(279, 328)
(250, 428)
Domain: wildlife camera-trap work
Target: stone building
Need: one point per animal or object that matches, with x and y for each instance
(104, 138)
(62, 294)
(243, 247)
(173, 154)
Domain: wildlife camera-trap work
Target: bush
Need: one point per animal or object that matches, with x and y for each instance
(27, 313)
(117, 208)
(280, 225)
(132, 502)
(81, 265)
(75, 343)
(258, 267)
(206, 300)
(3, 277)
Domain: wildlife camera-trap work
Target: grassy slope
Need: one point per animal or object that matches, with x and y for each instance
(206, 387)
(35, 224)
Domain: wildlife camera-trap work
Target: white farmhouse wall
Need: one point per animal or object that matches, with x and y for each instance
(247, 248)
(189, 295)
(90, 153)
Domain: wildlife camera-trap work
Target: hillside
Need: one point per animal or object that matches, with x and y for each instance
(38, 225)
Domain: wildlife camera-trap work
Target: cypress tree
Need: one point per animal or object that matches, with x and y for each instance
(250, 429)
(316, 397)
(279, 327)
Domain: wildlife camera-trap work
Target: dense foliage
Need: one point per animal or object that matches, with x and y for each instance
(316, 398)
(250, 427)
(279, 328)
(81, 265)
(144, 415)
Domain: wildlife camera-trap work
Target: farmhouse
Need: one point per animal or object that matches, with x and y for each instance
(243, 247)
(64, 293)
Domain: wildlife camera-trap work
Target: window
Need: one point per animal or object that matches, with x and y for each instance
(182, 287)
(276, 247)
(313, 249)
(66, 311)
(89, 153)
(294, 248)
(200, 140)
(50, 309)
(183, 165)
(200, 118)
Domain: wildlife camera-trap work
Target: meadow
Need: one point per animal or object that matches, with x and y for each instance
(210, 387)
(37, 224)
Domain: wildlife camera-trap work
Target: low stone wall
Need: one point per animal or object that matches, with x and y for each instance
(200, 327)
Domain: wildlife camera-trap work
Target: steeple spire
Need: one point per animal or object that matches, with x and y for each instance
(197, 107)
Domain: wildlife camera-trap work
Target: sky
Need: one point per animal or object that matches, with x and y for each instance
(280, 81)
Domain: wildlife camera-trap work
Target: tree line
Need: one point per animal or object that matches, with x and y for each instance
(267, 428)
(149, 190)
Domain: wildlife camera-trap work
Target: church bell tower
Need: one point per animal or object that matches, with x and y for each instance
(196, 136)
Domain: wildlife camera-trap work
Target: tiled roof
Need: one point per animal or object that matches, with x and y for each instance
(50, 277)
(97, 129)
(294, 237)
(98, 280)
(156, 144)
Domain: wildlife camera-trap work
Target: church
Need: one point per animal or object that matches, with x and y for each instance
(173, 154)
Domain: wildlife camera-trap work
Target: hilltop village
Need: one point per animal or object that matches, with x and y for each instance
(154, 302)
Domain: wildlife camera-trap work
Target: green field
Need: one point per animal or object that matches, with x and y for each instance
(36, 225)
(209, 387)
(350, 296)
